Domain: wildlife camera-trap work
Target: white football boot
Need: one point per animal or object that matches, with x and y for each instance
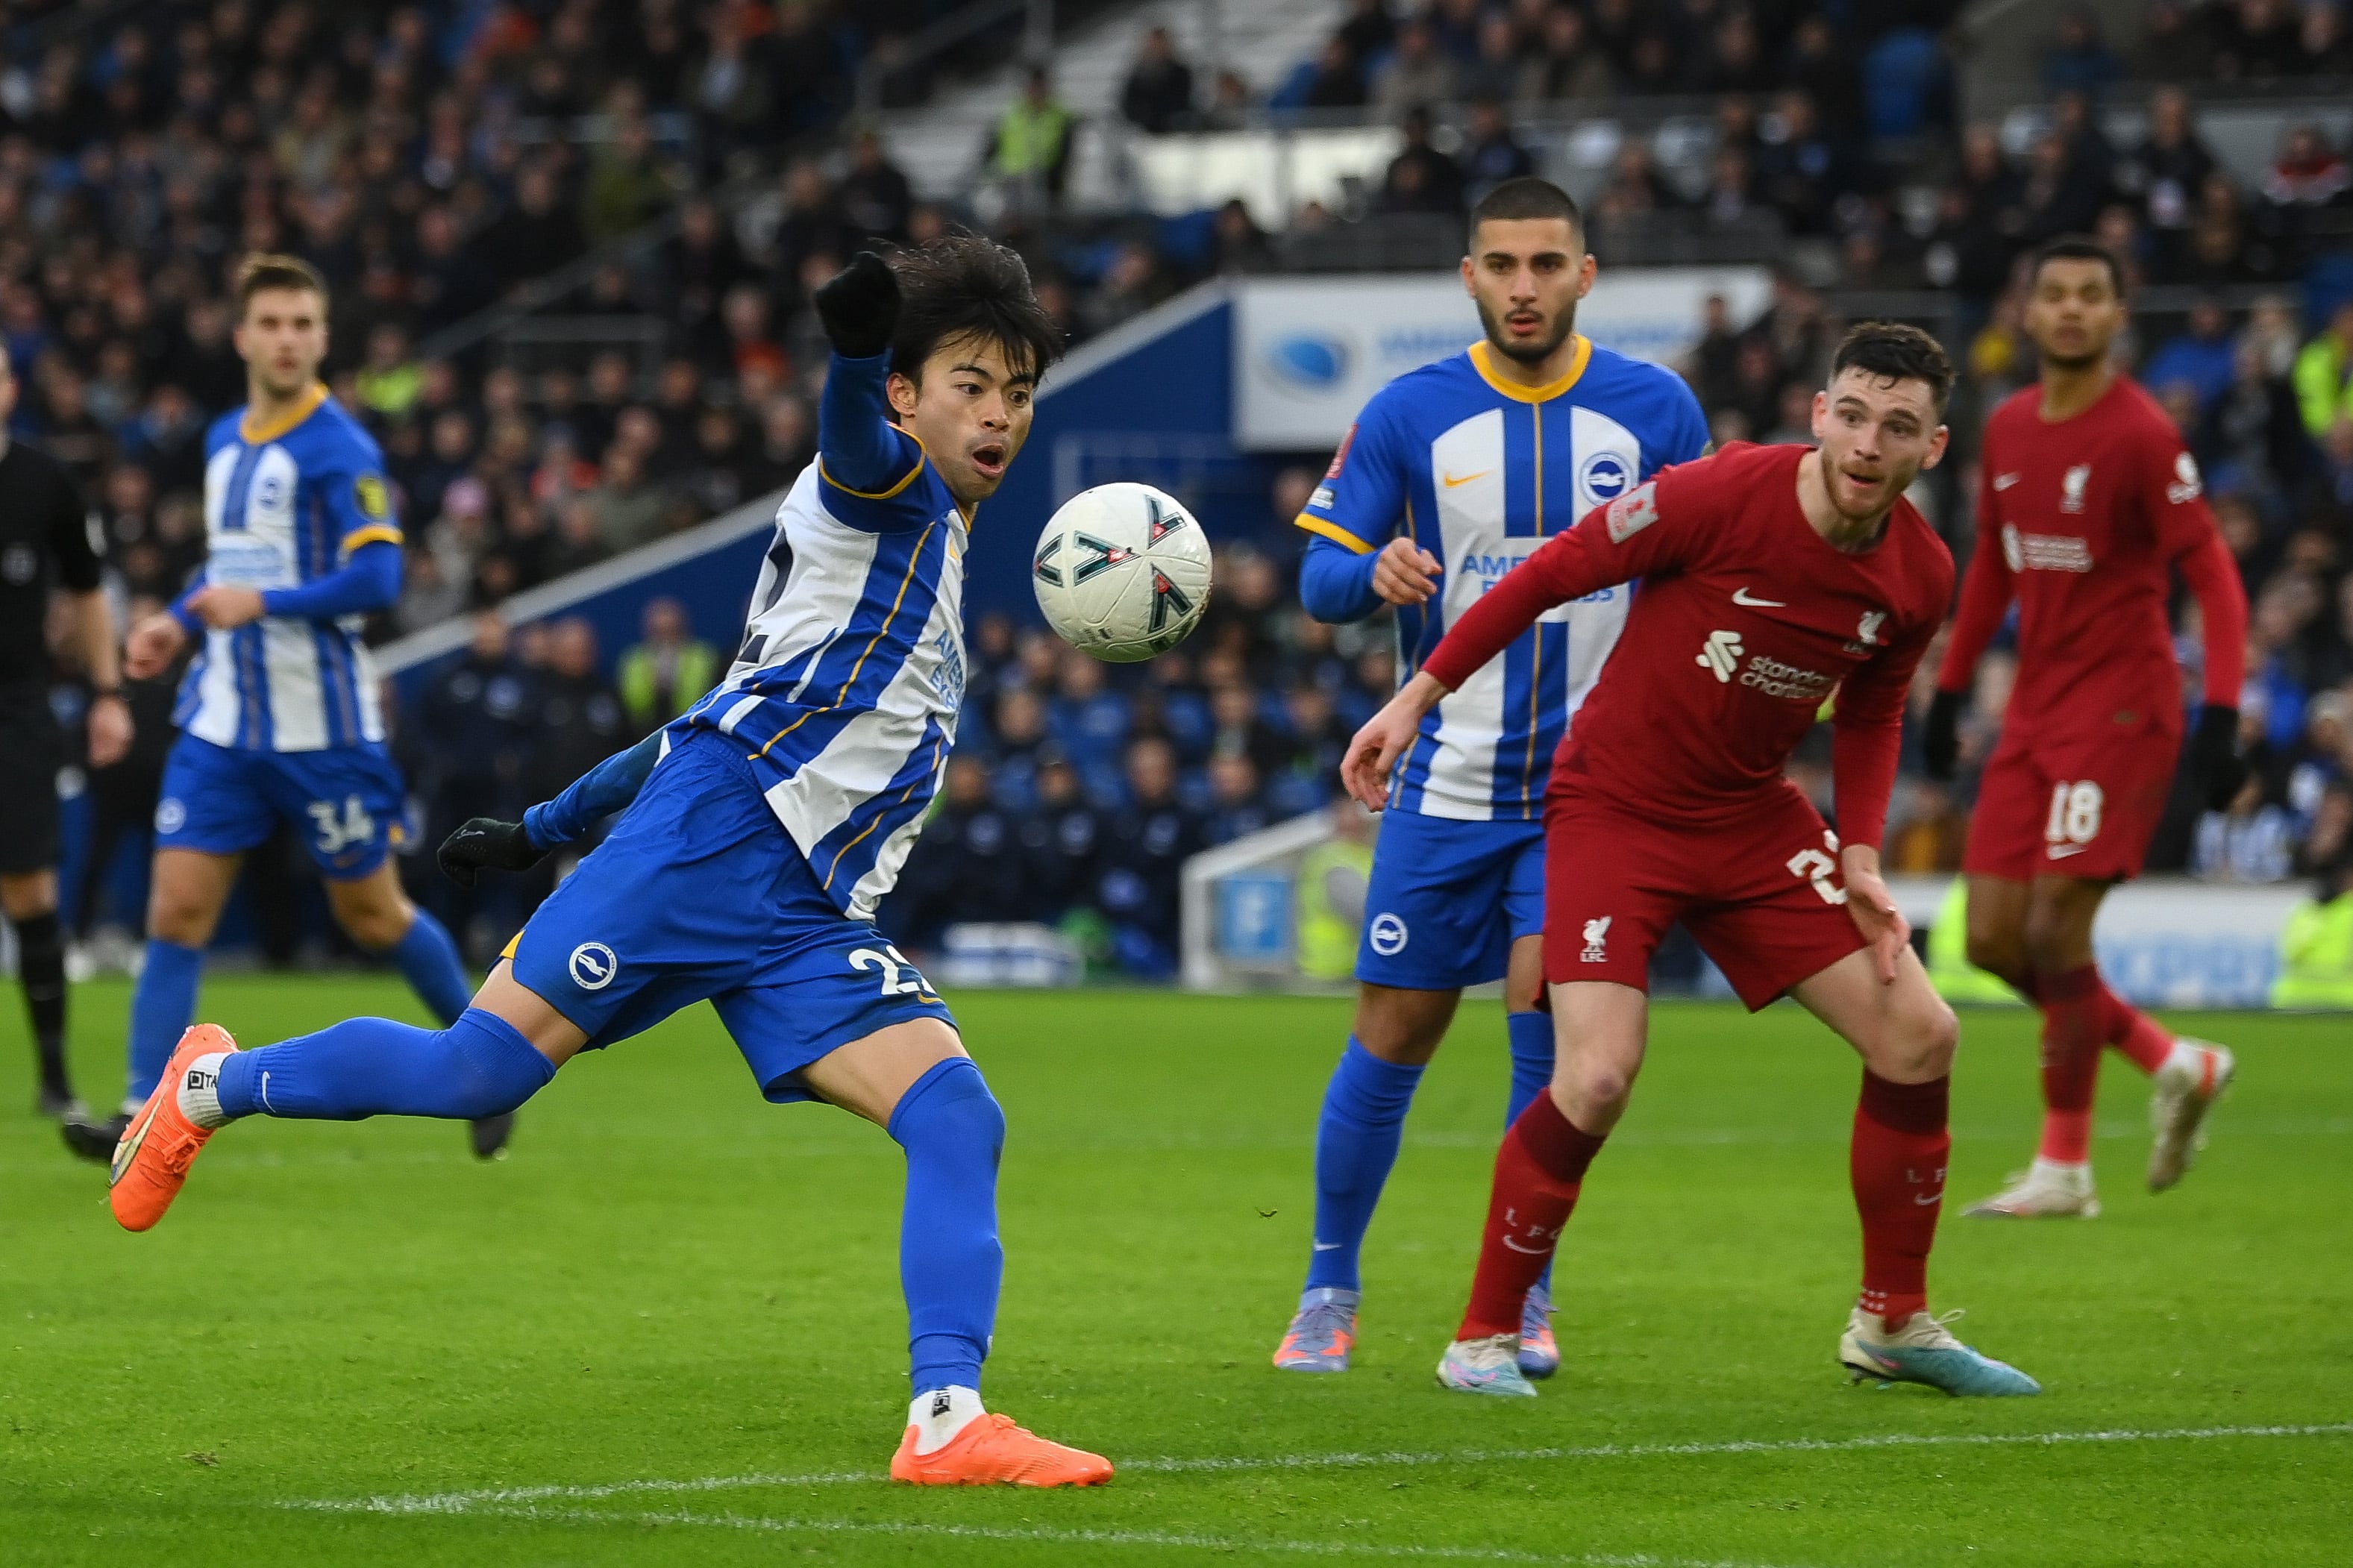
(2185, 1087)
(2044, 1190)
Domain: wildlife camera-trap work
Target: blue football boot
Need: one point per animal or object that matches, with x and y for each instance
(1321, 1333)
(1923, 1350)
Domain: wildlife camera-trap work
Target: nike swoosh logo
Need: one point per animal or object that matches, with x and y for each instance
(1327, 1247)
(1453, 483)
(1928, 1199)
(128, 1150)
(1742, 597)
(2061, 851)
(2003, 481)
(1531, 1251)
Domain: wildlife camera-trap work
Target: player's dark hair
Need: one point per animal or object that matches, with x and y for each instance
(963, 286)
(2079, 247)
(1522, 197)
(1896, 351)
(261, 271)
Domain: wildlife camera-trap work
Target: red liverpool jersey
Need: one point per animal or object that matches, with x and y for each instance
(2082, 520)
(1745, 620)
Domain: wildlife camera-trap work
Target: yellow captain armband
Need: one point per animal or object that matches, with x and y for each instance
(1323, 528)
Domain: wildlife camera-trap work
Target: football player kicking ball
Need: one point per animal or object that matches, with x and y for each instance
(747, 868)
(1772, 576)
(2090, 501)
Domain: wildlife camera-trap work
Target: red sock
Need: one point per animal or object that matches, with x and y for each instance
(2072, 1033)
(1538, 1173)
(2133, 1032)
(1897, 1166)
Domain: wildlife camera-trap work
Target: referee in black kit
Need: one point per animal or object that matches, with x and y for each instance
(45, 541)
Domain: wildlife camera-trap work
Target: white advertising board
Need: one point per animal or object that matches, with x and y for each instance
(1308, 352)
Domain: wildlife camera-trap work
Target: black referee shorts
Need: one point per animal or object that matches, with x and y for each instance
(30, 751)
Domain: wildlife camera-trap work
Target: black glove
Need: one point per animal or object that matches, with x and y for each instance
(1940, 748)
(859, 306)
(486, 844)
(2214, 754)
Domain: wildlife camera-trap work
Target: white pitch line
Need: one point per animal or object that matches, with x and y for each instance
(1143, 1538)
(466, 1502)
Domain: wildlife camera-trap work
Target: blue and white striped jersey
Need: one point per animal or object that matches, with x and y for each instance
(1479, 471)
(845, 693)
(284, 506)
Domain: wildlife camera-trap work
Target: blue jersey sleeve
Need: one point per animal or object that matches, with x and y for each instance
(369, 580)
(1687, 436)
(358, 502)
(600, 792)
(1336, 586)
(1363, 497)
(872, 471)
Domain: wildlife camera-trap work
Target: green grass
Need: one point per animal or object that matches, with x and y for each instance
(671, 1280)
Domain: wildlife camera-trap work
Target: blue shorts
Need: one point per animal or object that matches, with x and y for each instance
(348, 802)
(1446, 900)
(698, 893)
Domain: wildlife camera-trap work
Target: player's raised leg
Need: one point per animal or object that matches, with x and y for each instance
(1907, 1035)
(498, 1053)
(1531, 1032)
(379, 917)
(913, 1079)
(1599, 1029)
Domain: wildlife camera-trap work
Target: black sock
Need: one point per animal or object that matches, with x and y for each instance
(41, 971)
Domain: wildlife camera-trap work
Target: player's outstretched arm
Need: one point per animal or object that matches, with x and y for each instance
(486, 844)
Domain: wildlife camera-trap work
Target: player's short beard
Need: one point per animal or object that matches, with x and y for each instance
(1534, 353)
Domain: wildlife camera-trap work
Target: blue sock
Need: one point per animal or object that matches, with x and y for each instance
(480, 1065)
(1356, 1145)
(950, 1261)
(161, 1008)
(1532, 1051)
(429, 962)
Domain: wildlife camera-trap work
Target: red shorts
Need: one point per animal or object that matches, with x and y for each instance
(1760, 891)
(2071, 806)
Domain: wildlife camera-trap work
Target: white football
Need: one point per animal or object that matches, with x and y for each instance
(1122, 572)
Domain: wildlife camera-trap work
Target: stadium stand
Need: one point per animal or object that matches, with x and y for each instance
(571, 246)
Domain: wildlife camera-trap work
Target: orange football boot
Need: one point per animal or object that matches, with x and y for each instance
(158, 1146)
(992, 1451)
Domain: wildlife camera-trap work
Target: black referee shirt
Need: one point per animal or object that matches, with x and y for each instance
(42, 531)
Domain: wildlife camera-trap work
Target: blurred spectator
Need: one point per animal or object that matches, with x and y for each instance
(967, 865)
(1237, 808)
(1158, 94)
(2253, 40)
(1419, 73)
(629, 510)
(1492, 157)
(1030, 143)
(1060, 840)
(875, 196)
(1567, 65)
(2079, 58)
(2202, 356)
(580, 720)
(662, 675)
(2324, 374)
(1420, 178)
(1144, 848)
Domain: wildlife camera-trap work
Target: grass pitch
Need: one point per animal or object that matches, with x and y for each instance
(668, 1328)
